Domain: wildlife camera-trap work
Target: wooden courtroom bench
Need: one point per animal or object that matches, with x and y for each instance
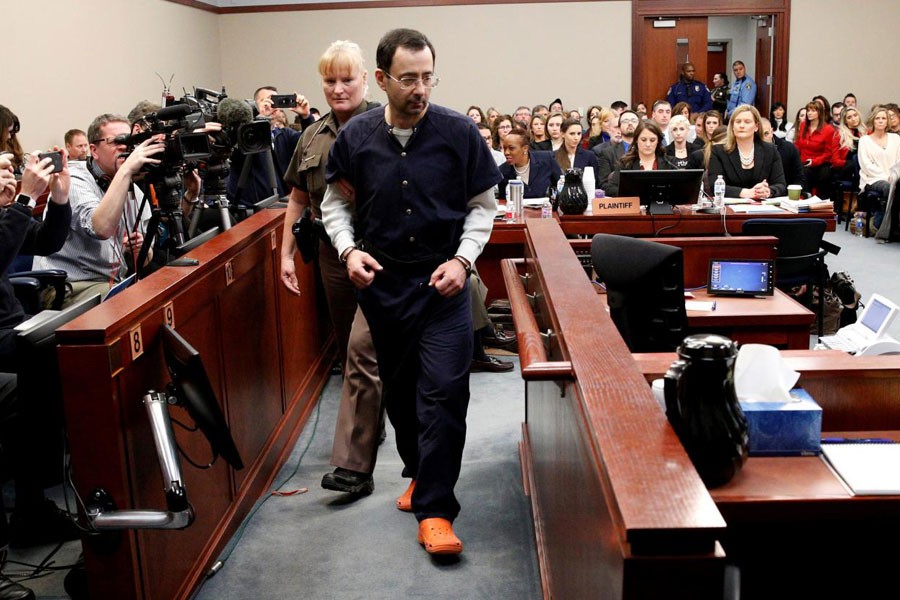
(267, 354)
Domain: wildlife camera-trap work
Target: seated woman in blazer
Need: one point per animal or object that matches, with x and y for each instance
(646, 153)
(751, 167)
(537, 170)
(571, 155)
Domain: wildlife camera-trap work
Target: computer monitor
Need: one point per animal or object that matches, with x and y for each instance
(644, 289)
(196, 241)
(195, 393)
(660, 190)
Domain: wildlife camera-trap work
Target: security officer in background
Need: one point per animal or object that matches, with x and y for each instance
(687, 89)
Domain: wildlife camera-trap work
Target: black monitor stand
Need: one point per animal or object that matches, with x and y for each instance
(660, 208)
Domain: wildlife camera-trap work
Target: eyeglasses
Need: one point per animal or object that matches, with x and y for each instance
(408, 83)
(504, 126)
(111, 140)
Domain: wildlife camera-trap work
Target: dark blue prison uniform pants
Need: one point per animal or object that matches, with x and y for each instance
(424, 346)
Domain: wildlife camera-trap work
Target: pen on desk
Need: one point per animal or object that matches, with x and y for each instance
(714, 306)
(857, 441)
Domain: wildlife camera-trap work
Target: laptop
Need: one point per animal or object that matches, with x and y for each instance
(739, 277)
(877, 316)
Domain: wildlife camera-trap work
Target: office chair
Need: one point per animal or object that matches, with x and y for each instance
(847, 183)
(801, 256)
(866, 202)
(29, 287)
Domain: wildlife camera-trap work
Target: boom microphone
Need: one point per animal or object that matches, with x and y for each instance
(234, 113)
(176, 111)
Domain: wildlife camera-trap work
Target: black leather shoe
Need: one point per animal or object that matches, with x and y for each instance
(41, 525)
(502, 340)
(491, 365)
(10, 590)
(349, 482)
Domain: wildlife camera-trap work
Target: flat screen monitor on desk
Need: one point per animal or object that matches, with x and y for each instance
(660, 190)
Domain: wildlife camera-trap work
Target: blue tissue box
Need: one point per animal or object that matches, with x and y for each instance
(784, 428)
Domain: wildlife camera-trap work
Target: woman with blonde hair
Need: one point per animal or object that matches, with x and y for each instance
(538, 130)
(679, 149)
(605, 130)
(751, 167)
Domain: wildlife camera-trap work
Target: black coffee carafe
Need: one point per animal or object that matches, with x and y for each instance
(572, 198)
(702, 406)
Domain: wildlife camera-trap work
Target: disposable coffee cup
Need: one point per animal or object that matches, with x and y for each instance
(795, 191)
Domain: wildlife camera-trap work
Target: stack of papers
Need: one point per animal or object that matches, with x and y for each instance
(867, 469)
(814, 204)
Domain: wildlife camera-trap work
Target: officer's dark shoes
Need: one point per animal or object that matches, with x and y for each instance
(491, 365)
(10, 590)
(40, 525)
(349, 482)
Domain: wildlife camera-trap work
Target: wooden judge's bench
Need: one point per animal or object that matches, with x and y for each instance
(267, 355)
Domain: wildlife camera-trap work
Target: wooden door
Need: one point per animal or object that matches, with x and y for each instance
(717, 62)
(765, 31)
(665, 50)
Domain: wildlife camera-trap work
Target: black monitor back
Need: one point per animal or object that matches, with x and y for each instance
(670, 187)
(645, 290)
(40, 388)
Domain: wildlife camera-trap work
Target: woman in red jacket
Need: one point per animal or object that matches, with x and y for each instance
(818, 143)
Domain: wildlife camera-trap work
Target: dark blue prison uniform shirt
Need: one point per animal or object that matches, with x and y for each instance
(411, 202)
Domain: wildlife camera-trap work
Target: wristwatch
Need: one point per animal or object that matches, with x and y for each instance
(25, 200)
(346, 254)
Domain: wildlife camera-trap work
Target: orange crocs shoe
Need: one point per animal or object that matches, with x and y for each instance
(404, 502)
(436, 535)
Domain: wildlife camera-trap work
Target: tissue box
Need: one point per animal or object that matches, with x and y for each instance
(784, 428)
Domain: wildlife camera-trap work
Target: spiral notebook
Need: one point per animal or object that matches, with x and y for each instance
(867, 469)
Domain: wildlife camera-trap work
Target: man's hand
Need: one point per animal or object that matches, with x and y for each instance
(143, 153)
(289, 275)
(449, 278)
(361, 268)
(133, 241)
(7, 182)
(36, 176)
(302, 107)
(60, 182)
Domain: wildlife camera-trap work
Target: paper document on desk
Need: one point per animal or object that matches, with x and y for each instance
(755, 208)
(867, 469)
(700, 305)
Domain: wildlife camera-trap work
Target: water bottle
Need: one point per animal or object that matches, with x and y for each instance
(859, 223)
(587, 178)
(514, 195)
(547, 209)
(720, 191)
(508, 214)
(560, 184)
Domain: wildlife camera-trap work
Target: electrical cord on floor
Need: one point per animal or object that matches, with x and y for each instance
(233, 542)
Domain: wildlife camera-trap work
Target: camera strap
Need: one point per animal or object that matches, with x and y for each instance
(102, 179)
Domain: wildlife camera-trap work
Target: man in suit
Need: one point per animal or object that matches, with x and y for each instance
(608, 153)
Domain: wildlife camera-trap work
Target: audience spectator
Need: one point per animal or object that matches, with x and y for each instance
(619, 106)
(720, 92)
(574, 114)
(699, 159)
(662, 113)
(605, 127)
(539, 139)
(850, 100)
(609, 153)
(500, 127)
(780, 124)
(522, 116)
(476, 114)
(76, 144)
(792, 132)
(878, 154)
(690, 91)
(751, 167)
(646, 153)
(711, 121)
(137, 115)
(492, 114)
(571, 155)
(679, 149)
(556, 106)
(540, 109)
(683, 109)
(640, 110)
(485, 132)
(893, 112)
(554, 131)
(743, 89)
(836, 109)
(9, 127)
(817, 142)
(537, 170)
(790, 156)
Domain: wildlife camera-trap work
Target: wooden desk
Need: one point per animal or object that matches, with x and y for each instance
(267, 356)
(603, 470)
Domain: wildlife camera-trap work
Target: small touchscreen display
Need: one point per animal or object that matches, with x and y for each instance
(741, 277)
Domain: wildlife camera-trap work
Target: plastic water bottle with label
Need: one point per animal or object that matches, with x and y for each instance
(547, 209)
(859, 224)
(719, 190)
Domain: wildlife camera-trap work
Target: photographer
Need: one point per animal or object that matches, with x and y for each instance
(258, 186)
(35, 519)
(106, 231)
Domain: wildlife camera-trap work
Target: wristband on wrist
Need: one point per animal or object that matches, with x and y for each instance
(465, 263)
(346, 254)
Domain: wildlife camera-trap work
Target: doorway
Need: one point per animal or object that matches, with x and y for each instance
(756, 32)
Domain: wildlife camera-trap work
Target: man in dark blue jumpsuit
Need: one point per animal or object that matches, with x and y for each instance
(687, 89)
(409, 208)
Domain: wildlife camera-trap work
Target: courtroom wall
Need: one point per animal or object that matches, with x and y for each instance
(65, 62)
